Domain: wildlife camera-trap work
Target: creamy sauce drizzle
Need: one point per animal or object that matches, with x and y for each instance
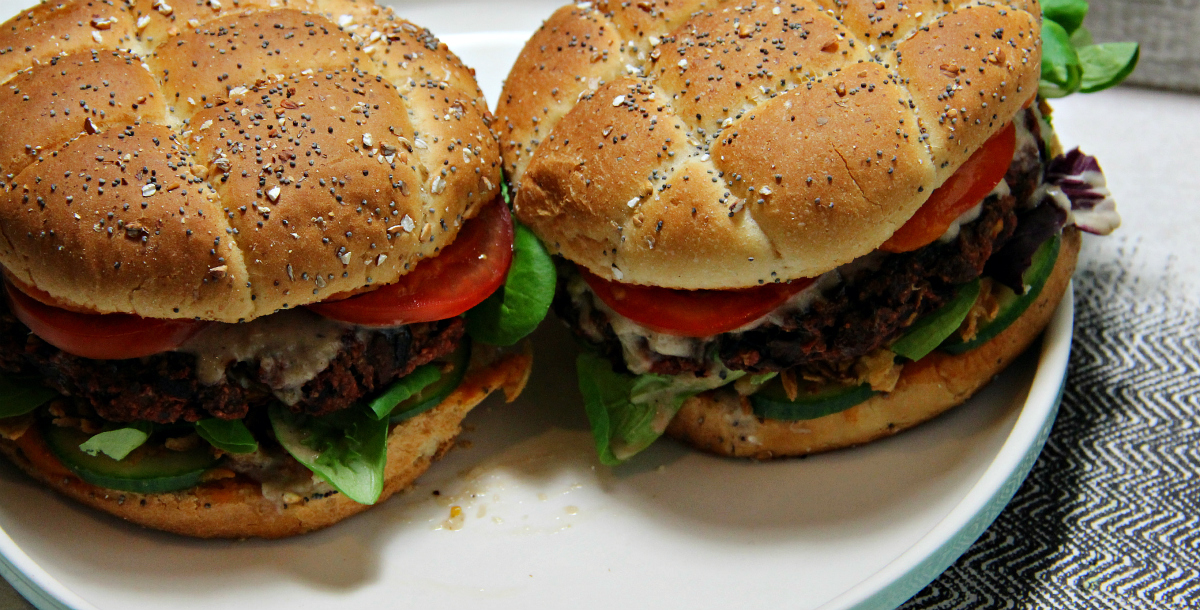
(290, 346)
(284, 481)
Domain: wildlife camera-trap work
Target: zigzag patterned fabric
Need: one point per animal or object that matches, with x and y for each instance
(1110, 513)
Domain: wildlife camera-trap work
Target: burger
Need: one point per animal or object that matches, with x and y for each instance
(257, 265)
(789, 227)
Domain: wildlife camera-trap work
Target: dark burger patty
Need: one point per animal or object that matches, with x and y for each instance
(859, 316)
(871, 312)
(163, 388)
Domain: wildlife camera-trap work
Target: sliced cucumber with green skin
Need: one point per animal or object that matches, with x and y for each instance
(771, 402)
(149, 469)
(931, 330)
(433, 394)
(1012, 305)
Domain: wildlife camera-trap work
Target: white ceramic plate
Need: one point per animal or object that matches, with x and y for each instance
(542, 524)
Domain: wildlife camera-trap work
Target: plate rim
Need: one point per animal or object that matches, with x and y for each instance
(934, 552)
(33, 582)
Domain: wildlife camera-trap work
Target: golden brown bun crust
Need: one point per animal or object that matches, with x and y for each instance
(765, 142)
(724, 423)
(236, 508)
(226, 160)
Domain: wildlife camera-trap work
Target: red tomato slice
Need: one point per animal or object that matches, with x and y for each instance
(460, 277)
(966, 188)
(692, 313)
(115, 336)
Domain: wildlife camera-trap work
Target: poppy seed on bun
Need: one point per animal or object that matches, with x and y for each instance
(756, 203)
(229, 231)
(764, 142)
(199, 160)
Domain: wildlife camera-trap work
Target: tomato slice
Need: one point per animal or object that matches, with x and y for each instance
(692, 313)
(465, 273)
(115, 336)
(966, 188)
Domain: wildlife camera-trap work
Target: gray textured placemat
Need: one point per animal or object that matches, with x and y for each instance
(1110, 514)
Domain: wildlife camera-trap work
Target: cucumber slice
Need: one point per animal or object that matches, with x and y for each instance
(931, 330)
(148, 469)
(811, 402)
(433, 394)
(1012, 305)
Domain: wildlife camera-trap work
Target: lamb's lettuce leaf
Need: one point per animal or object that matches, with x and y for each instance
(347, 449)
(515, 310)
(118, 443)
(629, 412)
(228, 435)
(19, 397)
(1107, 64)
(1061, 71)
(1067, 13)
(1071, 62)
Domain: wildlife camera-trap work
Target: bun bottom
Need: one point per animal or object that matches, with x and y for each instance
(722, 422)
(236, 508)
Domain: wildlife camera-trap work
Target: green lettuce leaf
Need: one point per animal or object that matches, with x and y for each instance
(119, 443)
(515, 310)
(1070, 60)
(1106, 65)
(18, 397)
(230, 436)
(628, 412)
(762, 378)
(404, 388)
(1067, 13)
(606, 400)
(347, 449)
(1082, 38)
(1061, 70)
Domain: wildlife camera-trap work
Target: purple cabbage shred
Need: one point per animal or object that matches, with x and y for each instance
(1008, 264)
(1074, 192)
(1080, 179)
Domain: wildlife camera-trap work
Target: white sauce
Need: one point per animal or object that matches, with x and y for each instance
(972, 214)
(1102, 219)
(640, 344)
(290, 346)
(1027, 144)
(1025, 138)
(801, 301)
(284, 481)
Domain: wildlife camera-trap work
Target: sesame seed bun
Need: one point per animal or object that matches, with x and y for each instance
(649, 141)
(237, 508)
(223, 161)
(724, 423)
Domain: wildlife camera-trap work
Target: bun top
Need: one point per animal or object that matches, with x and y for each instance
(706, 144)
(223, 159)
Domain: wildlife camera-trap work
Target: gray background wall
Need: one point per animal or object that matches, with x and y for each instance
(1168, 30)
